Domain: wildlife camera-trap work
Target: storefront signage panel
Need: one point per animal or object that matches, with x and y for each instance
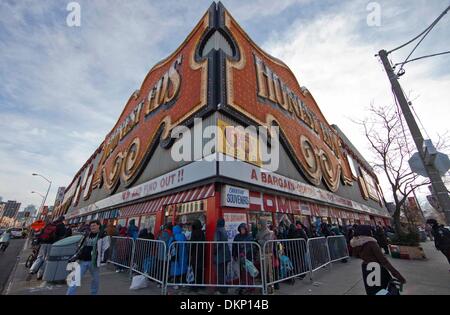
(190, 173)
(254, 175)
(235, 197)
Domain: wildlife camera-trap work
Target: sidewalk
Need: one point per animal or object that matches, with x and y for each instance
(428, 277)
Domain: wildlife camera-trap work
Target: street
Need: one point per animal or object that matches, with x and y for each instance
(424, 277)
(8, 260)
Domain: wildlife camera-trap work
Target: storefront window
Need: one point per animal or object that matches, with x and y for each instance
(148, 223)
(254, 217)
(121, 222)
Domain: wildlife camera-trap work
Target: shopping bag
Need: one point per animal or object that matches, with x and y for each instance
(190, 277)
(139, 282)
(232, 270)
(251, 269)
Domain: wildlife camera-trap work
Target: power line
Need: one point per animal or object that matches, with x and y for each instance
(423, 57)
(427, 30)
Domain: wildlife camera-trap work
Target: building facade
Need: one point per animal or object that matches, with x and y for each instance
(162, 163)
(11, 208)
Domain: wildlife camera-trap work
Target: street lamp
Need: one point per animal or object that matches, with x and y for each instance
(45, 198)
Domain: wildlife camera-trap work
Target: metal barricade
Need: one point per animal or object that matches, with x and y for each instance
(289, 260)
(122, 252)
(319, 255)
(150, 259)
(214, 264)
(337, 246)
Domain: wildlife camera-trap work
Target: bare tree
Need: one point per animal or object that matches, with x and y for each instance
(392, 147)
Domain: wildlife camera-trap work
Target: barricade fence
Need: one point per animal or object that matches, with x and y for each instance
(337, 246)
(319, 255)
(288, 259)
(221, 265)
(226, 265)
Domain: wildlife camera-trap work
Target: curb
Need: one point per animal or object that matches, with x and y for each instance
(7, 287)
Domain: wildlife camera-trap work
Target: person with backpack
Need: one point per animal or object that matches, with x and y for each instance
(91, 255)
(441, 238)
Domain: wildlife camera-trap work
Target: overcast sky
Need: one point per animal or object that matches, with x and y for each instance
(62, 88)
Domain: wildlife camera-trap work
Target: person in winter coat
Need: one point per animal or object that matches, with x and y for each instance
(146, 235)
(122, 231)
(197, 253)
(133, 230)
(90, 255)
(325, 230)
(295, 250)
(111, 230)
(222, 255)
(241, 252)
(180, 257)
(262, 237)
(381, 239)
(366, 248)
(441, 238)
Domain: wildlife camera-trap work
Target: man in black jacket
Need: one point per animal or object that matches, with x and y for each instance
(441, 238)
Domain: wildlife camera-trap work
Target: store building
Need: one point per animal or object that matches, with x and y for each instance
(219, 75)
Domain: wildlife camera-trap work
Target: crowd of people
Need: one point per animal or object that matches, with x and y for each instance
(235, 262)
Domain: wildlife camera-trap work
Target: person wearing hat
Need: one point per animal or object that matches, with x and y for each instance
(366, 247)
(441, 238)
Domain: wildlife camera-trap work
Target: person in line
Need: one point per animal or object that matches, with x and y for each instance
(366, 248)
(165, 234)
(122, 231)
(179, 257)
(264, 235)
(441, 238)
(111, 230)
(146, 235)
(90, 255)
(222, 255)
(197, 253)
(294, 249)
(242, 250)
(133, 230)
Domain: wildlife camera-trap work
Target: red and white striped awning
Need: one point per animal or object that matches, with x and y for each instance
(201, 192)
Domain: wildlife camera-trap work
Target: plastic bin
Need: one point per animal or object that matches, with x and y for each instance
(60, 253)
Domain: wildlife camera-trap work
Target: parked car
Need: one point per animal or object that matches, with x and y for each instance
(18, 233)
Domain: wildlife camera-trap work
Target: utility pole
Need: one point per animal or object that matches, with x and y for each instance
(436, 180)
